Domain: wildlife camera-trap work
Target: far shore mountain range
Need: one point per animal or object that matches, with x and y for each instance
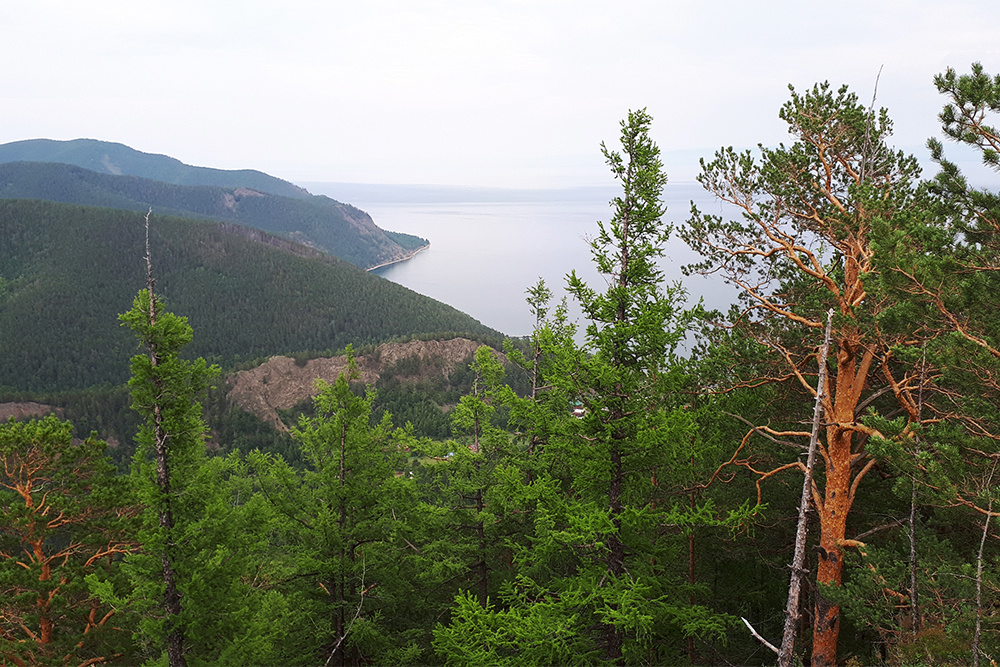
(109, 175)
(118, 159)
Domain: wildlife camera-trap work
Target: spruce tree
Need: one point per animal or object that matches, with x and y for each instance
(593, 579)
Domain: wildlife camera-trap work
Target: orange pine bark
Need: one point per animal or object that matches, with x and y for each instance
(810, 216)
(50, 526)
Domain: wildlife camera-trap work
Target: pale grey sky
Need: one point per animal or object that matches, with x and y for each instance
(509, 93)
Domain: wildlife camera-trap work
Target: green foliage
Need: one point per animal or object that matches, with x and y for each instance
(202, 516)
(319, 222)
(597, 566)
(472, 474)
(165, 389)
(524, 632)
(807, 195)
(940, 270)
(417, 391)
(186, 510)
(972, 96)
(339, 523)
(816, 224)
(534, 536)
(64, 519)
(407, 241)
(240, 431)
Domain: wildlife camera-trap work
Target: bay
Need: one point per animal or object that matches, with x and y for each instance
(485, 254)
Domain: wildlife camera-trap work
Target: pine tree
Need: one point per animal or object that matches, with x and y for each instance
(64, 518)
(815, 216)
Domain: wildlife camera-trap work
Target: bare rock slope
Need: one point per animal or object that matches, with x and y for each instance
(22, 410)
(280, 383)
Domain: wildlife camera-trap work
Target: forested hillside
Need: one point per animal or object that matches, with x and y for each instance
(118, 159)
(67, 271)
(338, 229)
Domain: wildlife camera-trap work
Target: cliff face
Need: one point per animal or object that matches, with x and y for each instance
(280, 383)
(27, 410)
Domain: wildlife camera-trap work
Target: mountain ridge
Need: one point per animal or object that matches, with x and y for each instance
(339, 229)
(120, 160)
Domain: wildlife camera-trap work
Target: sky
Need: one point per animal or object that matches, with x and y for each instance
(495, 93)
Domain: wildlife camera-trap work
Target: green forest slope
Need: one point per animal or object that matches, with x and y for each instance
(118, 159)
(339, 229)
(67, 271)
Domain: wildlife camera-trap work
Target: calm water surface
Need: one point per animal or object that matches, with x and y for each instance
(483, 256)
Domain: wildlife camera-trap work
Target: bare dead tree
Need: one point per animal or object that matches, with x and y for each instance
(914, 601)
(979, 570)
(798, 561)
(171, 595)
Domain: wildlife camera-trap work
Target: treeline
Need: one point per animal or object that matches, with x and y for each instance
(66, 272)
(338, 229)
(420, 392)
(407, 241)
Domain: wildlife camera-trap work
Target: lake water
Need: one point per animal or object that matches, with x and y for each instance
(484, 255)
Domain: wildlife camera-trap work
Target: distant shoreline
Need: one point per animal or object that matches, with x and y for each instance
(362, 194)
(411, 255)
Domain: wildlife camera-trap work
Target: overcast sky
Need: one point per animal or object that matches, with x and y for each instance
(463, 92)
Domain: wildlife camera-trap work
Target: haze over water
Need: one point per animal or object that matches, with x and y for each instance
(485, 254)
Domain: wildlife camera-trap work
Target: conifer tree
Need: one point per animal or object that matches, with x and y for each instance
(170, 452)
(815, 217)
(942, 269)
(339, 522)
(593, 576)
(471, 470)
(633, 329)
(64, 518)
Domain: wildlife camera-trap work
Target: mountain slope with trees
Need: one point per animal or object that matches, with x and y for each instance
(107, 157)
(338, 229)
(67, 271)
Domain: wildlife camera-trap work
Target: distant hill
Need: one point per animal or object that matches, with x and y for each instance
(339, 229)
(67, 271)
(106, 157)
